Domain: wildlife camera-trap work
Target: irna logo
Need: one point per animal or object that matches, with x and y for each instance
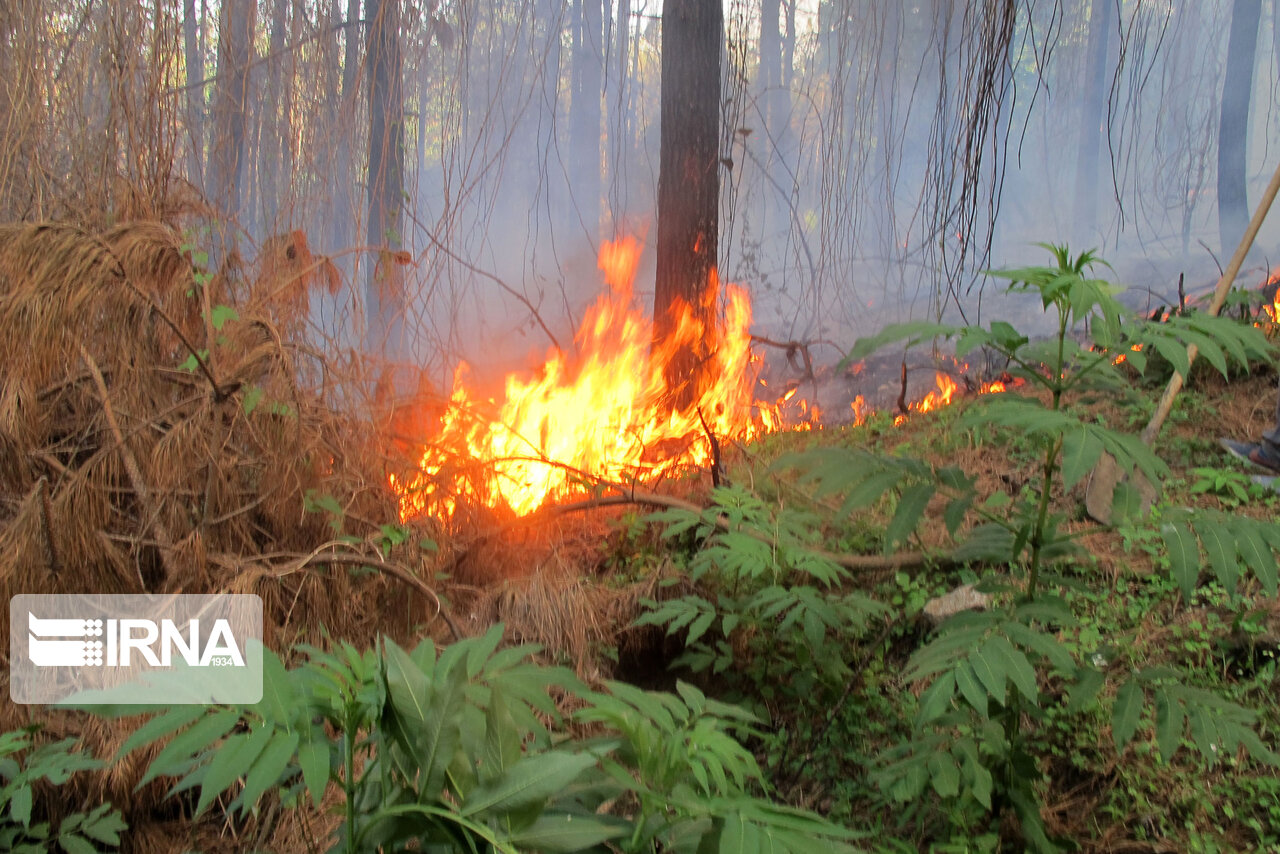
(178, 648)
(62, 642)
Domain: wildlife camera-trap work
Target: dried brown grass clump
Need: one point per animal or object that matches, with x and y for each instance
(161, 431)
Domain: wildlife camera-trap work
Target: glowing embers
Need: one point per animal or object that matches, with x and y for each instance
(604, 413)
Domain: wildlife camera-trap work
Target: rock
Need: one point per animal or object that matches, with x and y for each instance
(963, 598)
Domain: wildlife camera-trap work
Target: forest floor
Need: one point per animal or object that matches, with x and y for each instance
(157, 465)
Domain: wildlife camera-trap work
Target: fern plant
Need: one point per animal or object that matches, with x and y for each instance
(984, 671)
(774, 596)
(452, 751)
(21, 765)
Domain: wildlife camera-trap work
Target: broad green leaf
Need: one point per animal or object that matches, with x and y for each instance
(1081, 450)
(911, 507)
(1184, 556)
(566, 832)
(936, 699)
(1041, 643)
(1087, 685)
(1169, 722)
(200, 737)
(313, 759)
(530, 781)
(944, 774)
(1256, 553)
(1221, 549)
(268, 767)
(967, 682)
(1126, 712)
(1015, 664)
(990, 672)
(161, 725)
(231, 762)
(20, 805)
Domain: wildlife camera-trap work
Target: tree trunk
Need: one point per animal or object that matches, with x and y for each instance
(1233, 126)
(226, 159)
(584, 128)
(1093, 124)
(688, 184)
(344, 213)
(384, 293)
(194, 60)
(620, 116)
(274, 152)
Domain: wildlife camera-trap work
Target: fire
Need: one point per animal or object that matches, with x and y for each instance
(940, 398)
(603, 414)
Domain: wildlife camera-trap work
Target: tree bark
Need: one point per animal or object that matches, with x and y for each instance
(688, 185)
(584, 128)
(194, 62)
(226, 159)
(1093, 124)
(1233, 124)
(384, 295)
(344, 213)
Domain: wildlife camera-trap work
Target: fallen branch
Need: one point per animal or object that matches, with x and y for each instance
(858, 563)
(140, 488)
(296, 562)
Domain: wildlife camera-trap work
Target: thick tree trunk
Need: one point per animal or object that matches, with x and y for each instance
(688, 183)
(1233, 126)
(226, 159)
(620, 116)
(1093, 124)
(384, 292)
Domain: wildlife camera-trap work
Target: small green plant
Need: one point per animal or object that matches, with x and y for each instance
(21, 766)
(772, 586)
(973, 746)
(457, 750)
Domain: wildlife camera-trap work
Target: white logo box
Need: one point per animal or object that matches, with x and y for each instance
(143, 649)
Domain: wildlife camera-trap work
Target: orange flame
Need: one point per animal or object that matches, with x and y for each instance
(600, 415)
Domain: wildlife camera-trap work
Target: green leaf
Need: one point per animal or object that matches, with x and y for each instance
(1184, 556)
(566, 832)
(1256, 552)
(1015, 664)
(20, 805)
(1169, 722)
(163, 724)
(191, 743)
(990, 672)
(232, 761)
(944, 774)
(528, 782)
(1081, 450)
(72, 844)
(1221, 549)
(967, 682)
(1126, 712)
(252, 397)
(1087, 685)
(313, 759)
(268, 767)
(221, 314)
(911, 507)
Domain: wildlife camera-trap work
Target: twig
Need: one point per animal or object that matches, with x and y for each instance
(46, 519)
(396, 571)
(135, 474)
(717, 466)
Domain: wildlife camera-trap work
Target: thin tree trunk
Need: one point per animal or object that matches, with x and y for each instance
(344, 213)
(588, 69)
(1093, 124)
(1233, 125)
(226, 159)
(688, 185)
(384, 294)
(194, 60)
(275, 122)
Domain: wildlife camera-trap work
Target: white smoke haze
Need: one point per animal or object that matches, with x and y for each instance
(876, 156)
